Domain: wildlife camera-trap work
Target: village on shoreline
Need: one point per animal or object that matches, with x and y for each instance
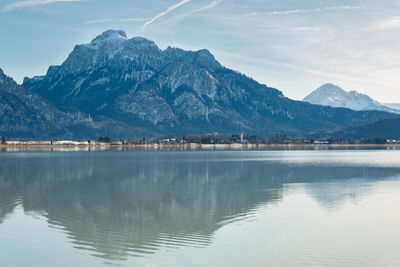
(211, 141)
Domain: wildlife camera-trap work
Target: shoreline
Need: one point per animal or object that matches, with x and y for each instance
(16, 146)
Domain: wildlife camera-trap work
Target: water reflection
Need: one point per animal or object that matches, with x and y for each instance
(122, 204)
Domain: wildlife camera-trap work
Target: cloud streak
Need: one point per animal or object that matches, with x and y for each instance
(315, 10)
(95, 21)
(201, 9)
(392, 22)
(106, 20)
(194, 11)
(30, 3)
(169, 9)
(209, 6)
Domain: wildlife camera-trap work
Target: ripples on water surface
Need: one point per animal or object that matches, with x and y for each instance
(197, 208)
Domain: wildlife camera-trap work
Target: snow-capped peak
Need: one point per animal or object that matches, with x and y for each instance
(331, 88)
(109, 36)
(334, 96)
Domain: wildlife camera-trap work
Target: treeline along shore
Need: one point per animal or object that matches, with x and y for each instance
(211, 141)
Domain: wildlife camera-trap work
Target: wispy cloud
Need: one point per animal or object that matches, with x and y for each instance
(209, 6)
(392, 22)
(315, 10)
(95, 21)
(169, 9)
(133, 19)
(105, 20)
(201, 9)
(303, 29)
(30, 3)
(179, 17)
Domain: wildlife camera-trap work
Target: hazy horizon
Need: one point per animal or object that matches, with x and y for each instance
(290, 46)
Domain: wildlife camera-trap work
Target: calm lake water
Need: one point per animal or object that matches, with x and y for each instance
(200, 208)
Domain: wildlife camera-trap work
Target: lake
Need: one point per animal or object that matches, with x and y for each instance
(200, 208)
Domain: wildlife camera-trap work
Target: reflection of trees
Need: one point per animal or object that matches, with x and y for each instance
(9, 199)
(121, 203)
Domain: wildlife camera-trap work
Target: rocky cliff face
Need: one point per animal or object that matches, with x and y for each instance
(172, 91)
(24, 114)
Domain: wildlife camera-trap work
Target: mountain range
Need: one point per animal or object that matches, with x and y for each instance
(383, 129)
(120, 87)
(25, 114)
(334, 96)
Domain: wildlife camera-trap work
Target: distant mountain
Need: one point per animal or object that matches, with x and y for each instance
(24, 114)
(178, 92)
(334, 96)
(393, 105)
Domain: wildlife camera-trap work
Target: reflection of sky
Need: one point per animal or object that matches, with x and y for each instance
(117, 205)
(293, 45)
(359, 158)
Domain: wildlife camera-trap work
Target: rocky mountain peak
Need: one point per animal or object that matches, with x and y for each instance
(114, 40)
(4, 79)
(2, 76)
(205, 58)
(330, 87)
(334, 96)
(109, 35)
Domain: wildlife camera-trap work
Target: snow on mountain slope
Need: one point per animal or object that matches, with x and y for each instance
(334, 96)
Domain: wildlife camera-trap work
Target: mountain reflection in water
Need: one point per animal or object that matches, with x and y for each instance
(122, 204)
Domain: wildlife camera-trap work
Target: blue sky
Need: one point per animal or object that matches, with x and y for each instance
(294, 46)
